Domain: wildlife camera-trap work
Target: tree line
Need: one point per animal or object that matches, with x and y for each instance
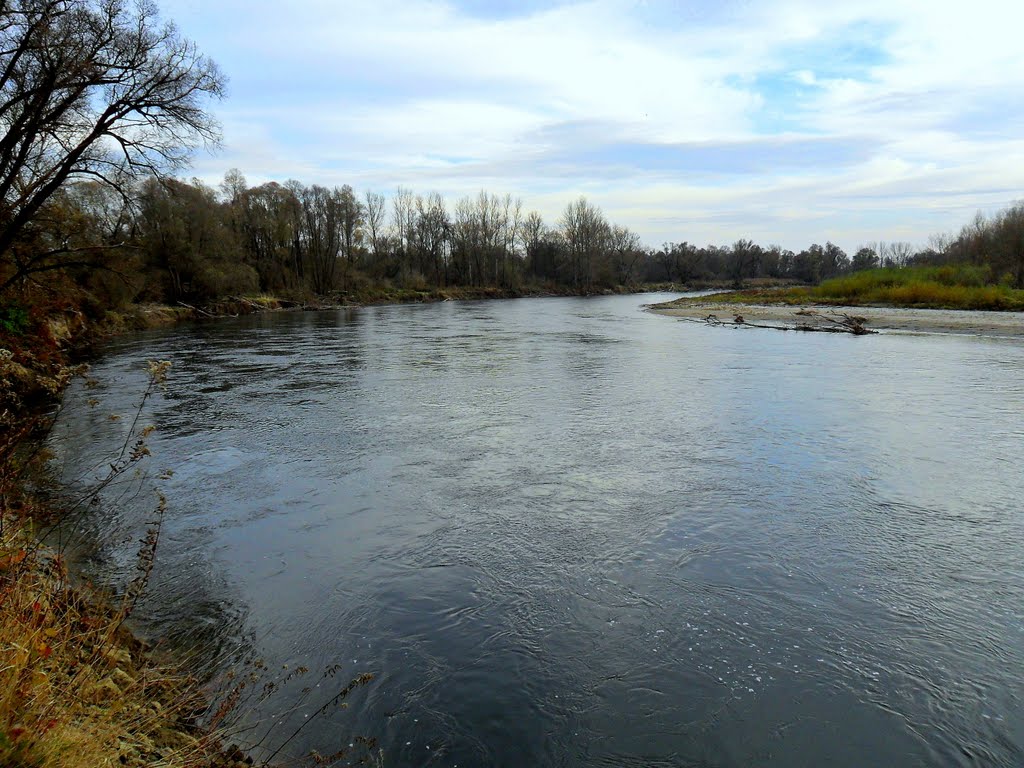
(189, 241)
(174, 240)
(100, 104)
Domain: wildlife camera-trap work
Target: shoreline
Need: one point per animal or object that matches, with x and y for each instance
(909, 320)
(140, 317)
(77, 684)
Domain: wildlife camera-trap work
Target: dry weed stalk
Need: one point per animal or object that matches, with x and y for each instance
(75, 688)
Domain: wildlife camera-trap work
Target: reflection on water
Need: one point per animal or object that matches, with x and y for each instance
(567, 532)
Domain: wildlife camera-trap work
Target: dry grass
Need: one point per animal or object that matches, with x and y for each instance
(75, 688)
(948, 287)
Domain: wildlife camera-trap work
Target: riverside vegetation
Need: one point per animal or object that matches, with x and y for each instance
(952, 286)
(75, 687)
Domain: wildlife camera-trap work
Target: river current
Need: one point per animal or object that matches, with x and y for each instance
(567, 532)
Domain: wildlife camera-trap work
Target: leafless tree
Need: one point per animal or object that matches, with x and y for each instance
(899, 253)
(432, 240)
(585, 232)
(624, 246)
(321, 235)
(375, 212)
(94, 89)
(351, 211)
(403, 215)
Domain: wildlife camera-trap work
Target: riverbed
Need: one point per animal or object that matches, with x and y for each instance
(567, 531)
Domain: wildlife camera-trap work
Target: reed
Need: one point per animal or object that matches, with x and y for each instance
(952, 286)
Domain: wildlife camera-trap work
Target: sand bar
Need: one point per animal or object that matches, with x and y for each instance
(883, 319)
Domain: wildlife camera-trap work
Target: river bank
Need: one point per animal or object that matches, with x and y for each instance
(894, 319)
(80, 689)
(76, 686)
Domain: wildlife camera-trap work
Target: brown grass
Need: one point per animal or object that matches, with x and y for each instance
(953, 286)
(75, 688)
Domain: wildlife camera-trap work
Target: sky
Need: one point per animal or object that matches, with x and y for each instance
(786, 122)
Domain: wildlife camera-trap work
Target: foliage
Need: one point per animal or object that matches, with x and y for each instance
(13, 320)
(950, 286)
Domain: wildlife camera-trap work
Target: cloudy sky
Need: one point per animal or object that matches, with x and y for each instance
(786, 122)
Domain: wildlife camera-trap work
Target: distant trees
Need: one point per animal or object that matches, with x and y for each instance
(626, 253)
(997, 243)
(865, 258)
(172, 240)
(586, 236)
(744, 261)
(320, 235)
(89, 89)
(484, 236)
(267, 224)
(1008, 250)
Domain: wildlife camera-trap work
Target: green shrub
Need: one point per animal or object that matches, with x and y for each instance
(13, 320)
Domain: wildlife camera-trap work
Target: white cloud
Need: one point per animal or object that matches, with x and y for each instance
(416, 92)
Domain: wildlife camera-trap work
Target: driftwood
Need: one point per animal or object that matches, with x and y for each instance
(253, 304)
(197, 309)
(837, 322)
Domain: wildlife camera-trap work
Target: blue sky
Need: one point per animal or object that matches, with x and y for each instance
(787, 122)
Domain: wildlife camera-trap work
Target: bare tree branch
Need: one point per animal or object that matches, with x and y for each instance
(95, 89)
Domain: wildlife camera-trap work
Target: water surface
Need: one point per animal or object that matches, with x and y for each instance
(568, 532)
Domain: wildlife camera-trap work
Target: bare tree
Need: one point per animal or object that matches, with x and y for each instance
(403, 216)
(89, 89)
(898, 253)
(375, 212)
(585, 232)
(351, 211)
(626, 251)
(511, 220)
(432, 241)
(233, 186)
(321, 235)
(743, 259)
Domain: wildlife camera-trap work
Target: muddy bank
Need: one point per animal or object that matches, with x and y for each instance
(885, 319)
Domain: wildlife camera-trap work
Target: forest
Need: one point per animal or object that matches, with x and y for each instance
(169, 240)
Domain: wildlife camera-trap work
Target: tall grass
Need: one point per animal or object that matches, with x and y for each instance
(953, 286)
(75, 688)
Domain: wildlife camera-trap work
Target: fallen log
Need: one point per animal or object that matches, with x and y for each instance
(840, 322)
(197, 310)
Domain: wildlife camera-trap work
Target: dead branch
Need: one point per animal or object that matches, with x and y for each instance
(840, 322)
(196, 309)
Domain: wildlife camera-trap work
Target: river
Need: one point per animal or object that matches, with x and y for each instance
(564, 531)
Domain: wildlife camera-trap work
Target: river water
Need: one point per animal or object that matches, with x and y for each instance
(569, 532)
